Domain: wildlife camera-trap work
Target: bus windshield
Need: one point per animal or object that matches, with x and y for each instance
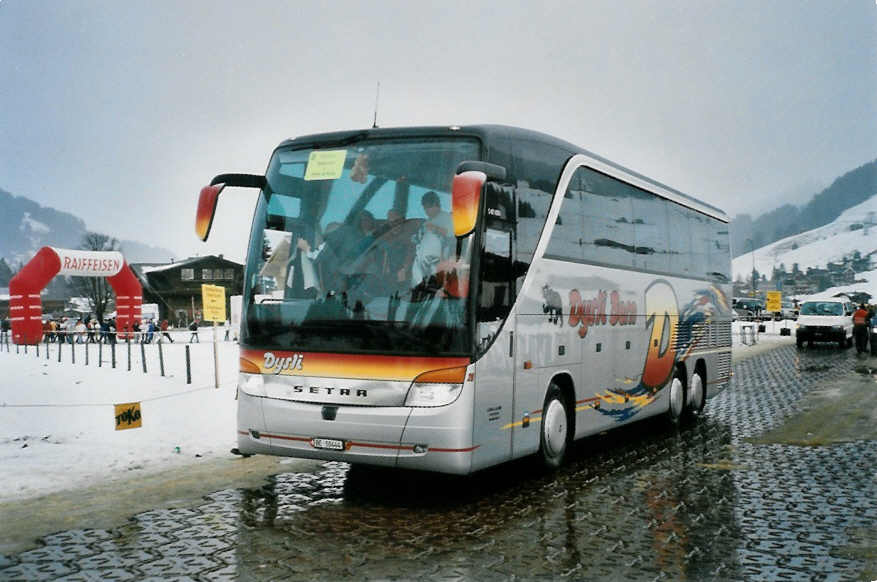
(353, 250)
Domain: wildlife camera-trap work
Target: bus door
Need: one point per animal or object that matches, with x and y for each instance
(494, 396)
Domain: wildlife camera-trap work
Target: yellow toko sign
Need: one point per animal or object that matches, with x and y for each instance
(128, 416)
(774, 301)
(213, 298)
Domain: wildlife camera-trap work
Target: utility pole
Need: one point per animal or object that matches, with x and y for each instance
(752, 274)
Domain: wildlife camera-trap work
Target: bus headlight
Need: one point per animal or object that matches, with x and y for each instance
(436, 388)
(252, 384)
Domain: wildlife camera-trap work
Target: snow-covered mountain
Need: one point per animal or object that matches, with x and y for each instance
(816, 248)
(25, 227)
(854, 230)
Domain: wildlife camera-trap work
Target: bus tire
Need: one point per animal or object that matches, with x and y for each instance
(696, 397)
(554, 435)
(677, 398)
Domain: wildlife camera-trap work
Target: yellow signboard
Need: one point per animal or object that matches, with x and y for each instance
(213, 299)
(128, 416)
(325, 165)
(774, 301)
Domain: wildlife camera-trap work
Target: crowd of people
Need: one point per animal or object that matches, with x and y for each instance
(90, 330)
(82, 330)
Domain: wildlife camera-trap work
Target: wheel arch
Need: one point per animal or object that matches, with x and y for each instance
(681, 368)
(700, 366)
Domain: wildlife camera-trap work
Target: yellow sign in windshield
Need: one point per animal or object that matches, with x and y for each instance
(325, 165)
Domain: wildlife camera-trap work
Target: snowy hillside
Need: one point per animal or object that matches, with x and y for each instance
(25, 227)
(817, 247)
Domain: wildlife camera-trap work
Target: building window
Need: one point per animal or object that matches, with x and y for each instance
(229, 274)
(187, 274)
(207, 274)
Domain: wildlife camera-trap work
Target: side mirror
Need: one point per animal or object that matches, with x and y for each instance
(206, 209)
(465, 200)
(492, 171)
(210, 195)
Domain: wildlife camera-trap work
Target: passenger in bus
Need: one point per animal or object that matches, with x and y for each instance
(398, 249)
(434, 239)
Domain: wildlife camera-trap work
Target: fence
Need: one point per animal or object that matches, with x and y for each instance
(160, 353)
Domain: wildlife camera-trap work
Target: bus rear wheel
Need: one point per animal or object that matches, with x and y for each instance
(678, 398)
(554, 435)
(696, 397)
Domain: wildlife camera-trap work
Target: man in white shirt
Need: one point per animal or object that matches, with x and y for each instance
(433, 240)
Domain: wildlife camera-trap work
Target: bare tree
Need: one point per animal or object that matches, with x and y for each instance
(96, 289)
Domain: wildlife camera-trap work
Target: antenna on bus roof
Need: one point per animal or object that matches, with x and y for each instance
(377, 95)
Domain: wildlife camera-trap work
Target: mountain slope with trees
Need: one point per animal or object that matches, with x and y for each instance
(25, 227)
(847, 191)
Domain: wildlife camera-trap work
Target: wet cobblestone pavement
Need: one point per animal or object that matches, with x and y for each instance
(644, 503)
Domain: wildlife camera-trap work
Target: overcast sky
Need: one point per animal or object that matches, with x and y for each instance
(120, 111)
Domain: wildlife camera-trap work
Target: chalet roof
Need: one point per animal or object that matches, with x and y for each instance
(157, 267)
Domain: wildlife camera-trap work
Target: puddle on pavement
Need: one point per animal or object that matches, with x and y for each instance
(844, 411)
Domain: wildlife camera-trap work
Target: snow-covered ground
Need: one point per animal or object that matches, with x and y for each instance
(57, 419)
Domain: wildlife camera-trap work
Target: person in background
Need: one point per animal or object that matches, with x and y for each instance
(227, 329)
(81, 331)
(104, 331)
(860, 328)
(193, 327)
(5, 326)
(70, 329)
(164, 331)
(91, 327)
(150, 332)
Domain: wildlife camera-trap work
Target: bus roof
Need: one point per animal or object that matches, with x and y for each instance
(490, 134)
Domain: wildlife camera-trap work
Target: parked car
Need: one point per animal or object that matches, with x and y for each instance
(826, 320)
(873, 335)
(787, 311)
(743, 314)
(754, 306)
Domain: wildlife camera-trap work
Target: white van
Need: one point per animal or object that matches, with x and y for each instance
(826, 320)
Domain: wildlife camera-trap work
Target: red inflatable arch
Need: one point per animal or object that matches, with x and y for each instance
(26, 308)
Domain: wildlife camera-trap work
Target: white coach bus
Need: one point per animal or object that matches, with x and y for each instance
(450, 298)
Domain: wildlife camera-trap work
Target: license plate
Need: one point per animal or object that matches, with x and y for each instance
(331, 444)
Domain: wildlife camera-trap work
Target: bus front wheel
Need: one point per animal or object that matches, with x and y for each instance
(554, 437)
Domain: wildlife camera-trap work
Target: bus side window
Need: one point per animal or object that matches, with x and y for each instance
(495, 296)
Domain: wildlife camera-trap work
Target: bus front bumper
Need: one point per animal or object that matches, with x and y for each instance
(432, 439)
